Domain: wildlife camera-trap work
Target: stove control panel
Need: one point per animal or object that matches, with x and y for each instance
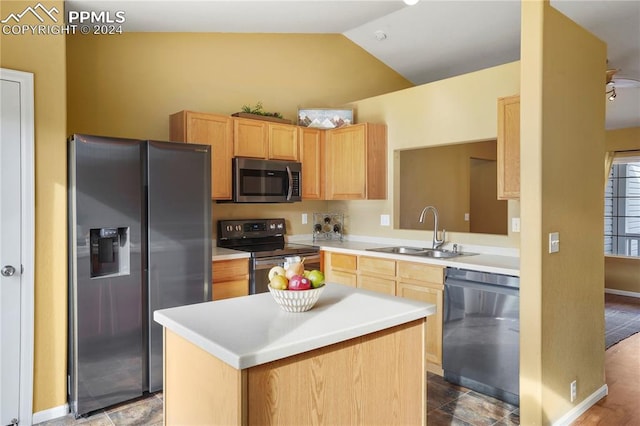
(250, 228)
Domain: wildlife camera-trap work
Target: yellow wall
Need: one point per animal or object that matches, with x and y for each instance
(442, 176)
(562, 123)
(454, 110)
(622, 273)
(45, 57)
(623, 139)
(127, 85)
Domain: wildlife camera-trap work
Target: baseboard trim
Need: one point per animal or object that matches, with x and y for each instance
(622, 292)
(581, 408)
(50, 414)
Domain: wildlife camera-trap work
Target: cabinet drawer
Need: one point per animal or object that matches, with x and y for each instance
(381, 285)
(340, 277)
(421, 272)
(227, 289)
(344, 261)
(377, 266)
(225, 270)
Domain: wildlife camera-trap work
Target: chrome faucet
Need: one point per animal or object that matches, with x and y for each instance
(436, 242)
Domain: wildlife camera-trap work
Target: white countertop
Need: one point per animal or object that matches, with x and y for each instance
(253, 330)
(219, 253)
(483, 262)
(495, 260)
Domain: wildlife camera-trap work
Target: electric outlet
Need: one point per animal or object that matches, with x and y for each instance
(574, 390)
(385, 220)
(304, 218)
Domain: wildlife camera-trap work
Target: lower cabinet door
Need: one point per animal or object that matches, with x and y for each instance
(340, 277)
(434, 323)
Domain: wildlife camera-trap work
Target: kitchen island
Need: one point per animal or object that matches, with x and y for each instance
(357, 357)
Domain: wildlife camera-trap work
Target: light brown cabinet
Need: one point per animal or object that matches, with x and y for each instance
(508, 148)
(340, 268)
(377, 274)
(312, 158)
(356, 162)
(230, 278)
(423, 282)
(417, 281)
(213, 130)
(262, 139)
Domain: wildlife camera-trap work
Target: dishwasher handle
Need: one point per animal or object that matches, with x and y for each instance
(508, 291)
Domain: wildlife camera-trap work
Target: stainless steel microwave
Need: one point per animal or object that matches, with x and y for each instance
(266, 181)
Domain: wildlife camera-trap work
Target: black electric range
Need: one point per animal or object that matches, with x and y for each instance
(265, 240)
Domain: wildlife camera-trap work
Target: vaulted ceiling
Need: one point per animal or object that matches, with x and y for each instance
(429, 41)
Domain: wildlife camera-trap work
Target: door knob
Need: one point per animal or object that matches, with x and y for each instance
(8, 271)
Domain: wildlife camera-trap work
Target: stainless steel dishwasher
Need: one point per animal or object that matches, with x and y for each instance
(481, 336)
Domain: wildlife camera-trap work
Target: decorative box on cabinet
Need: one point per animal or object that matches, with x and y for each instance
(230, 278)
(208, 129)
(508, 148)
(356, 162)
(262, 139)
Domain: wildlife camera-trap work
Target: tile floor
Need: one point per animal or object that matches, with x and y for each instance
(146, 411)
(447, 405)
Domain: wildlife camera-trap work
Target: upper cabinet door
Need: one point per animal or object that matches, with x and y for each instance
(208, 129)
(312, 158)
(508, 147)
(346, 164)
(356, 162)
(283, 142)
(250, 138)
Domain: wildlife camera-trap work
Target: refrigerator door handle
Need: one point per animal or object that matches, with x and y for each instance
(290, 191)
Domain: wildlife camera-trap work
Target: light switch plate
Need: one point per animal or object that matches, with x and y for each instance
(515, 224)
(304, 218)
(385, 220)
(554, 242)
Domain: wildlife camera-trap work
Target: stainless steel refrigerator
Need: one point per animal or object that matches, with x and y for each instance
(139, 240)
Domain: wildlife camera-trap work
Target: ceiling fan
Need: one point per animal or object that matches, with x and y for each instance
(611, 83)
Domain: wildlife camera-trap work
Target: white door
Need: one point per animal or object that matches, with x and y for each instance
(16, 293)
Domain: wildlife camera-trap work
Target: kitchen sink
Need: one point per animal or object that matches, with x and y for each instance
(421, 251)
(440, 253)
(399, 250)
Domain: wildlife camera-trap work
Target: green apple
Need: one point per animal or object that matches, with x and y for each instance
(306, 273)
(317, 278)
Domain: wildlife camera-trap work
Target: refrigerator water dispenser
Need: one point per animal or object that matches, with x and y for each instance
(109, 252)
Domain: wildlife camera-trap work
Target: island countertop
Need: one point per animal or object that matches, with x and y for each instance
(252, 330)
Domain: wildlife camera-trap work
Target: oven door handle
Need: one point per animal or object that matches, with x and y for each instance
(270, 262)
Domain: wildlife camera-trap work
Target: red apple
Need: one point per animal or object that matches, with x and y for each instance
(298, 282)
